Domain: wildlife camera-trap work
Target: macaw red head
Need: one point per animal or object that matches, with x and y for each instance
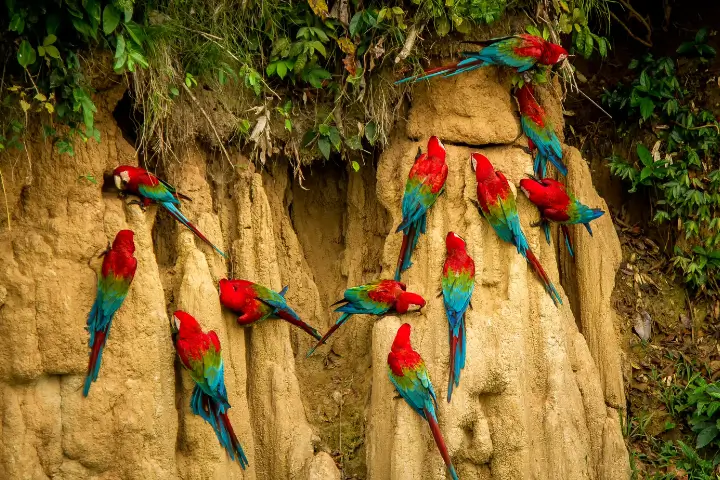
(405, 299)
(402, 338)
(122, 175)
(124, 241)
(232, 293)
(553, 53)
(482, 167)
(453, 242)
(185, 324)
(541, 191)
(436, 148)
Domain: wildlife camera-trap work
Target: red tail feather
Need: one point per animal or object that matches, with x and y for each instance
(97, 347)
(228, 426)
(437, 435)
(289, 317)
(540, 271)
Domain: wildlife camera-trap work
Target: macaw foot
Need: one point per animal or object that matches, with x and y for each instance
(105, 252)
(439, 294)
(539, 223)
(397, 396)
(142, 206)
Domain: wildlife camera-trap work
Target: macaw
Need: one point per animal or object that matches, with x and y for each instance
(521, 52)
(497, 205)
(559, 205)
(254, 303)
(458, 282)
(409, 375)
(200, 353)
(118, 270)
(140, 182)
(424, 185)
(540, 133)
(376, 298)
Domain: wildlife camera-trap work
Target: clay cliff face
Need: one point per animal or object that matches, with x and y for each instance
(540, 394)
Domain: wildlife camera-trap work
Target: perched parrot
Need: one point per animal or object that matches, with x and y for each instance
(521, 52)
(540, 133)
(254, 303)
(376, 298)
(200, 353)
(408, 373)
(497, 205)
(458, 282)
(424, 185)
(118, 270)
(558, 205)
(140, 182)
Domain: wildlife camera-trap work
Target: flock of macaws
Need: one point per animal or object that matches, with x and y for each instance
(200, 352)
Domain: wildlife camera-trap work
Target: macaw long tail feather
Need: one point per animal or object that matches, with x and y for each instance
(343, 318)
(290, 316)
(568, 242)
(437, 435)
(446, 70)
(403, 262)
(549, 287)
(231, 444)
(173, 210)
(95, 357)
(457, 355)
(215, 413)
(546, 229)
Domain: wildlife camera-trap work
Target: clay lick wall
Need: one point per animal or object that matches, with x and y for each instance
(540, 396)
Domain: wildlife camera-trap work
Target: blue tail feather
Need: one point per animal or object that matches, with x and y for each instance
(175, 212)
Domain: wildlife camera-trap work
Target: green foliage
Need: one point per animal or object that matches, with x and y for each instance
(698, 47)
(682, 171)
(48, 77)
(573, 20)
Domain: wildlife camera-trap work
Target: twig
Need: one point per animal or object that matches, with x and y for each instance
(647, 43)
(7, 207)
(698, 128)
(593, 102)
(212, 125)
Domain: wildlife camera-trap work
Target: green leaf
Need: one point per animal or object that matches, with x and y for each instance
(355, 23)
(136, 32)
(442, 26)
(371, 132)
(645, 156)
(110, 18)
(355, 166)
(52, 51)
(701, 35)
(324, 146)
(288, 125)
(174, 91)
(17, 24)
(41, 50)
(532, 30)
(92, 7)
(602, 46)
(52, 22)
(49, 40)
(335, 138)
(128, 13)
(281, 69)
(706, 436)
(271, 68)
(645, 173)
(646, 107)
(588, 49)
(324, 129)
(26, 54)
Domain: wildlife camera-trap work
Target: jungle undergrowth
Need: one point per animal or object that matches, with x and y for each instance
(291, 77)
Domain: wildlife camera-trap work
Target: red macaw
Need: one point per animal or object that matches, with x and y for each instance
(497, 205)
(540, 132)
(458, 282)
(559, 205)
(424, 185)
(255, 303)
(408, 373)
(521, 52)
(376, 298)
(118, 270)
(200, 353)
(149, 188)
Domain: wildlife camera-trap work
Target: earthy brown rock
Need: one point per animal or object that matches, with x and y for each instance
(539, 396)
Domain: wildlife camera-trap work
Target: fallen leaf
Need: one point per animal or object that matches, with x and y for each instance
(685, 320)
(346, 45)
(643, 325)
